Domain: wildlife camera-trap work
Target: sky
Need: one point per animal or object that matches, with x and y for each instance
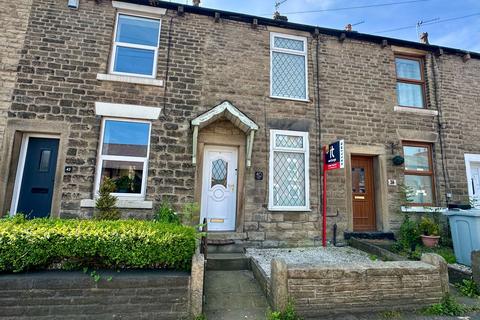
(462, 33)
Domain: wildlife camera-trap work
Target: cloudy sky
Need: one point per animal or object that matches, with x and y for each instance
(453, 23)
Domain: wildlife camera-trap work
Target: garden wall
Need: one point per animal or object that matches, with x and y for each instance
(320, 290)
(152, 294)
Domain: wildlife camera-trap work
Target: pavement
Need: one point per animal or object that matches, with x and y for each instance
(233, 295)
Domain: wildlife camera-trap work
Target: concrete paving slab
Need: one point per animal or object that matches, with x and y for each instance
(233, 295)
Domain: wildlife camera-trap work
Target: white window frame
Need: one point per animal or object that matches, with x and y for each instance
(116, 43)
(306, 151)
(101, 157)
(288, 51)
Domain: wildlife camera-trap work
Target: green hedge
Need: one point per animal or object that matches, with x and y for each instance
(73, 244)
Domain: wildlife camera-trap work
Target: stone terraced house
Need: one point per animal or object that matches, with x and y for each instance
(230, 111)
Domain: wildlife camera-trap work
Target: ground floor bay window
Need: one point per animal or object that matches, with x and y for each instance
(123, 156)
(288, 181)
(419, 173)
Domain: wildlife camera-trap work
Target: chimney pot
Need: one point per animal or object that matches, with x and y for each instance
(196, 3)
(424, 38)
(348, 27)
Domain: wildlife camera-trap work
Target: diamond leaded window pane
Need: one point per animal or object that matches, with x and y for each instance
(219, 172)
(288, 75)
(285, 43)
(288, 179)
(285, 141)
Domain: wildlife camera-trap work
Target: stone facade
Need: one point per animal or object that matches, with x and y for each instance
(13, 26)
(204, 62)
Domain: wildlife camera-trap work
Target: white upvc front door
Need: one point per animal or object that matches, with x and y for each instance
(219, 188)
(472, 164)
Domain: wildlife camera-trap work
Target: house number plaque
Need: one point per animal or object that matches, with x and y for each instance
(258, 175)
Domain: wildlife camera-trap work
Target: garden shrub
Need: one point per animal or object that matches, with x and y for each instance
(447, 307)
(74, 244)
(468, 288)
(409, 236)
(105, 208)
(165, 213)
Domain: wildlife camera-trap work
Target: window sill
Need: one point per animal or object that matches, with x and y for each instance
(290, 99)
(418, 111)
(129, 79)
(423, 209)
(121, 203)
(303, 209)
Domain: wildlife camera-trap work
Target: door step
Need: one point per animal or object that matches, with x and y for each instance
(227, 262)
(377, 235)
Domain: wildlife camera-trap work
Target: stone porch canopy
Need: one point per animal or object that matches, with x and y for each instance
(229, 111)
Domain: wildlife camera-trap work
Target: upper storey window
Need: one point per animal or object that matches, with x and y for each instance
(288, 67)
(135, 46)
(410, 82)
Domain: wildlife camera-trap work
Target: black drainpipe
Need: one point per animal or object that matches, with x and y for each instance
(439, 126)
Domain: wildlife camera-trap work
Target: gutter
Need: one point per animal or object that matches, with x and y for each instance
(342, 34)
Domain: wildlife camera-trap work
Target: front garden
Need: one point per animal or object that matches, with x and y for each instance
(37, 244)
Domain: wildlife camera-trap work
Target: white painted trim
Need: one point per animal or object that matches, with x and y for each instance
(305, 150)
(469, 158)
(121, 203)
(129, 79)
(423, 209)
(225, 106)
(287, 51)
(130, 111)
(419, 111)
(21, 166)
(138, 8)
(153, 75)
(101, 157)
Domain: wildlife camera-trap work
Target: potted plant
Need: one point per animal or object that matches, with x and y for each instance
(429, 231)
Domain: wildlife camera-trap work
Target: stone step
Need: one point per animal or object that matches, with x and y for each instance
(227, 261)
(377, 235)
(226, 248)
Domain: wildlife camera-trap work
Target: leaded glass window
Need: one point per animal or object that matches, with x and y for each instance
(288, 171)
(219, 172)
(288, 67)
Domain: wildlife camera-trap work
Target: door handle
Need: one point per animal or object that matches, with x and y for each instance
(232, 187)
(473, 186)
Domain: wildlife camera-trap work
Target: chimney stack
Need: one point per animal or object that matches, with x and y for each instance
(424, 38)
(196, 3)
(348, 27)
(278, 16)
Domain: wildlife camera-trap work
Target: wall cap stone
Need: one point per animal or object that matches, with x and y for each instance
(121, 203)
(129, 79)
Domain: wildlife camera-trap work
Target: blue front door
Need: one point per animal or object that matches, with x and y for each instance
(36, 191)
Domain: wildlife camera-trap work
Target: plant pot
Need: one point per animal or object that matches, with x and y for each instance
(430, 241)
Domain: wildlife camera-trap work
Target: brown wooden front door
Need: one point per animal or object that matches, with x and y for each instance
(363, 194)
